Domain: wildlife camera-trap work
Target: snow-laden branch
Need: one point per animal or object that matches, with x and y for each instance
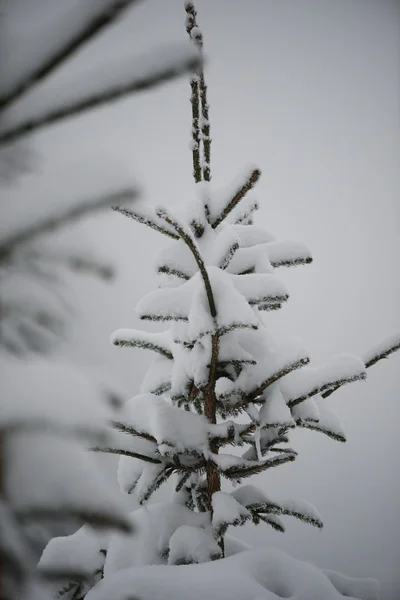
(382, 350)
(143, 213)
(133, 338)
(240, 194)
(374, 355)
(308, 382)
(70, 214)
(200, 123)
(76, 29)
(39, 108)
(186, 237)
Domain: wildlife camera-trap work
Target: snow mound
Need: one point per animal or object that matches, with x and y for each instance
(253, 574)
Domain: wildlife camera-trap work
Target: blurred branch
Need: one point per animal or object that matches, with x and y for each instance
(143, 79)
(103, 18)
(68, 215)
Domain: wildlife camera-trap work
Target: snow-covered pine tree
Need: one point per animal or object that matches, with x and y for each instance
(218, 361)
(50, 411)
(219, 382)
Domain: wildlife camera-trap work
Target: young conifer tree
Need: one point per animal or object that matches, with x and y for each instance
(217, 361)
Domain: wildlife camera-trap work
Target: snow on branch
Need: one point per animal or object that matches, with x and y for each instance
(194, 100)
(143, 213)
(187, 238)
(234, 468)
(56, 221)
(377, 353)
(200, 123)
(227, 511)
(40, 108)
(133, 338)
(288, 254)
(69, 39)
(297, 364)
(382, 350)
(240, 194)
(258, 503)
(343, 369)
(260, 288)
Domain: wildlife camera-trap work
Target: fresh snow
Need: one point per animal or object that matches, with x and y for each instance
(227, 510)
(170, 426)
(79, 553)
(190, 544)
(312, 380)
(254, 574)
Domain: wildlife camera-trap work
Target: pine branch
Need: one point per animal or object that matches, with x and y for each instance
(199, 92)
(119, 426)
(384, 350)
(194, 100)
(226, 259)
(63, 218)
(83, 35)
(138, 82)
(328, 388)
(254, 467)
(338, 437)
(272, 520)
(294, 262)
(140, 339)
(111, 450)
(146, 220)
(240, 194)
(161, 478)
(97, 518)
(278, 509)
(165, 269)
(276, 376)
(162, 213)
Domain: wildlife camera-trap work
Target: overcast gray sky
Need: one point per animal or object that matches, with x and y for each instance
(309, 91)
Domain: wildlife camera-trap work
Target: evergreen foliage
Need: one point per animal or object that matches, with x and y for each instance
(217, 360)
(222, 395)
